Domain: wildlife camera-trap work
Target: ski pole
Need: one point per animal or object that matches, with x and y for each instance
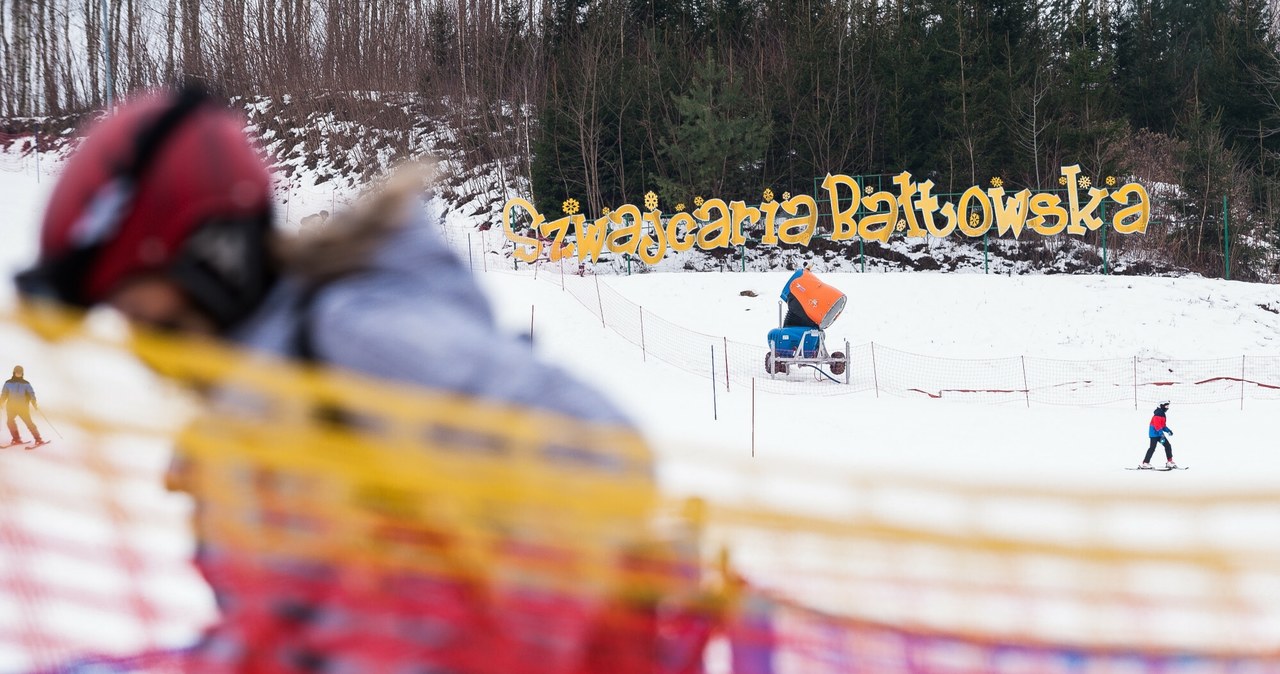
(46, 420)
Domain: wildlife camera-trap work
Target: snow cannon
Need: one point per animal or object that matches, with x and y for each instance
(810, 302)
(806, 309)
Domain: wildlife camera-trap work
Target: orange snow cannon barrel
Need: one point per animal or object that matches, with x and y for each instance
(821, 302)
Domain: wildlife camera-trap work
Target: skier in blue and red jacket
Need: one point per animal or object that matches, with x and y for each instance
(1156, 432)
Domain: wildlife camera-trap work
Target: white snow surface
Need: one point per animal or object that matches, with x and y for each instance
(797, 448)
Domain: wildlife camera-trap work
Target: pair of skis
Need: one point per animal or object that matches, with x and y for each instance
(28, 445)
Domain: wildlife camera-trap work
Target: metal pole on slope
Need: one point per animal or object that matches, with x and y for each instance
(471, 265)
(715, 416)
(1135, 382)
(532, 308)
(753, 416)
(1026, 390)
(1105, 266)
(875, 376)
(848, 361)
(599, 302)
(726, 364)
(644, 356)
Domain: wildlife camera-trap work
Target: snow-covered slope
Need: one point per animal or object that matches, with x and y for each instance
(706, 434)
(952, 315)
(1037, 315)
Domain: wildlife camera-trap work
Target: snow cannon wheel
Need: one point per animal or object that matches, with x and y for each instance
(838, 363)
(771, 367)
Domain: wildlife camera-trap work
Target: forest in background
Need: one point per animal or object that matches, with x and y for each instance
(605, 101)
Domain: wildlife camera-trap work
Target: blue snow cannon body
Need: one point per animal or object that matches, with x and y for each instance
(787, 341)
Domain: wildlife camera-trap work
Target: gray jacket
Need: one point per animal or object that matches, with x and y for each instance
(416, 315)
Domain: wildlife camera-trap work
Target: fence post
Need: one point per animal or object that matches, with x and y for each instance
(714, 415)
(37, 153)
(1241, 382)
(1026, 390)
(471, 265)
(848, 361)
(532, 309)
(1135, 382)
(726, 364)
(1105, 267)
(599, 302)
(644, 357)
(753, 417)
(875, 376)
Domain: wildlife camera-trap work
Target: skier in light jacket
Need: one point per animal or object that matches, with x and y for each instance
(19, 397)
(135, 222)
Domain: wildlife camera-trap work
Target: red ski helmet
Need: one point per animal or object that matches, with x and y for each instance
(169, 185)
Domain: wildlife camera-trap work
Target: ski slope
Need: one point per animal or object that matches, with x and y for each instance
(956, 316)
(795, 447)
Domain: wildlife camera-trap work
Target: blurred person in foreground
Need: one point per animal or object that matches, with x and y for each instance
(164, 213)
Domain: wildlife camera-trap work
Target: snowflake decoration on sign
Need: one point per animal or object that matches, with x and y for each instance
(1111, 181)
(680, 207)
(786, 196)
(973, 219)
(869, 189)
(650, 200)
(997, 182)
(697, 202)
(570, 206)
(1062, 180)
(1085, 182)
(902, 225)
(768, 194)
(606, 211)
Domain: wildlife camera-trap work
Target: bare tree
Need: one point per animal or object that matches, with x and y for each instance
(191, 32)
(1030, 122)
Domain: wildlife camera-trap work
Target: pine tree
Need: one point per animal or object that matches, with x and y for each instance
(717, 146)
